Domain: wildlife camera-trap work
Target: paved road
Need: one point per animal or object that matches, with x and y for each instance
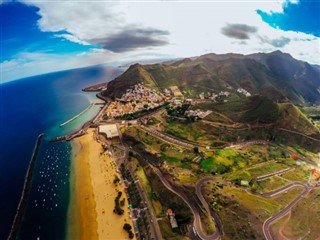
(154, 224)
(215, 217)
(263, 177)
(267, 224)
(281, 190)
(197, 220)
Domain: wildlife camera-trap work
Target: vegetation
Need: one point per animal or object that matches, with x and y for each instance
(116, 179)
(270, 184)
(117, 209)
(266, 74)
(128, 229)
(303, 220)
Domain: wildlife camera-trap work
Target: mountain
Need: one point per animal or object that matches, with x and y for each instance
(276, 75)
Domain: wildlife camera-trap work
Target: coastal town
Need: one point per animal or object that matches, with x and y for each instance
(136, 109)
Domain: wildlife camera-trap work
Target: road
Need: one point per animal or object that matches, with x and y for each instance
(263, 177)
(301, 134)
(215, 217)
(155, 230)
(281, 190)
(267, 224)
(197, 220)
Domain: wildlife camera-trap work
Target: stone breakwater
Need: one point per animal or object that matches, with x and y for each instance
(25, 192)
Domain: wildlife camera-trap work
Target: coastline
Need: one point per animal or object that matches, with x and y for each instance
(92, 193)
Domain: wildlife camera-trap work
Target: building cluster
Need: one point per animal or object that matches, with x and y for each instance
(141, 93)
(198, 113)
(134, 100)
(176, 91)
(214, 96)
(244, 92)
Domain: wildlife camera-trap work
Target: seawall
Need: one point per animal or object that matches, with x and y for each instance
(16, 225)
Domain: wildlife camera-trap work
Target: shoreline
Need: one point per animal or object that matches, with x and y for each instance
(92, 193)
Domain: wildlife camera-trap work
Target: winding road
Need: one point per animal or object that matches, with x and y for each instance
(267, 224)
(197, 219)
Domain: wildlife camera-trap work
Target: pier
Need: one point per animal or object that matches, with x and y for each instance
(16, 225)
(68, 137)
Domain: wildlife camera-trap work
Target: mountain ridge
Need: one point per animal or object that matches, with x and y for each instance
(276, 75)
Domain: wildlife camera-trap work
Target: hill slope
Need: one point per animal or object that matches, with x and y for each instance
(276, 75)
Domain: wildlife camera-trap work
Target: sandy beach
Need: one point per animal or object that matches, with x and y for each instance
(92, 194)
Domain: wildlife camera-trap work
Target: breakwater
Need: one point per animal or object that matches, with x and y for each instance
(78, 115)
(16, 225)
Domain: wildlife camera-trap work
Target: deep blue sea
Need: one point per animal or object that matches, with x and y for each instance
(39, 105)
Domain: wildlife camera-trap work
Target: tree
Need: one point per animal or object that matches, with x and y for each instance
(122, 202)
(127, 227)
(116, 179)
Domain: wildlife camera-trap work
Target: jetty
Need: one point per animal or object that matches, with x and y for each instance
(68, 137)
(16, 225)
(78, 115)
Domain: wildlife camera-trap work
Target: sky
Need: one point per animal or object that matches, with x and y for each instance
(45, 36)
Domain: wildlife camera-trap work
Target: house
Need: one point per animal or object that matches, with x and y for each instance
(110, 130)
(172, 218)
(244, 183)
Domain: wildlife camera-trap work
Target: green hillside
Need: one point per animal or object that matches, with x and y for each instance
(276, 75)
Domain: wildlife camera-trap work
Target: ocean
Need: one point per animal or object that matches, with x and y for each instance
(29, 107)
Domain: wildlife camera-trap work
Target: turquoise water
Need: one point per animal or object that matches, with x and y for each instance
(29, 107)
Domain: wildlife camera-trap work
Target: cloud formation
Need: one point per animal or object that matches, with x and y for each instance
(238, 31)
(277, 42)
(134, 31)
(131, 39)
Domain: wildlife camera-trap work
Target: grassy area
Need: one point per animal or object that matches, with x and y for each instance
(216, 117)
(300, 150)
(241, 213)
(304, 220)
(292, 118)
(151, 143)
(178, 157)
(270, 184)
(266, 169)
(167, 232)
(299, 174)
(188, 131)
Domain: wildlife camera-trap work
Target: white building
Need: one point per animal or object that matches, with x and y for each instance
(110, 130)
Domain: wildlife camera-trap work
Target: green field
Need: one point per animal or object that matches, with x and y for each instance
(188, 131)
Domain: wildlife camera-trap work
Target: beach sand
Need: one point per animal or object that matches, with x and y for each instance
(92, 194)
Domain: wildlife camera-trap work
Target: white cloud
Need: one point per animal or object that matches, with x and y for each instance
(72, 38)
(27, 64)
(194, 28)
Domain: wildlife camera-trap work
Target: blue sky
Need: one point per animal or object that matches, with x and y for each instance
(303, 16)
(41, 37)
(21, 33)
